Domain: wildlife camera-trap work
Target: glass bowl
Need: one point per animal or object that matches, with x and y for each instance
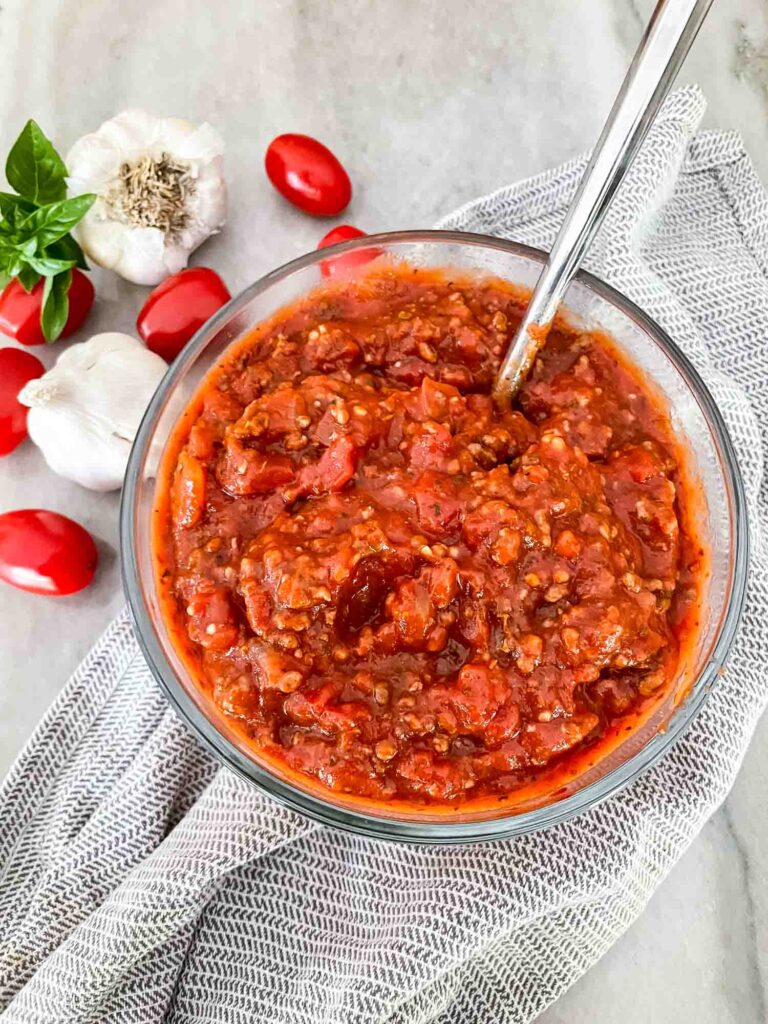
(711, 467)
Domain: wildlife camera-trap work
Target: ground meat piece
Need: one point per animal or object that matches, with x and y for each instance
(470, 704)
(436, 777)
(330, 349)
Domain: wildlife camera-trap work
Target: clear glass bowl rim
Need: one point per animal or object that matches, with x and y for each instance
(434, 831)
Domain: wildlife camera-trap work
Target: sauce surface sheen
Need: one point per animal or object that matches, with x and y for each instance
(398, 590)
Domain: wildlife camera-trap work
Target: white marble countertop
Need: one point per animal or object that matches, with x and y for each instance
(429, 104)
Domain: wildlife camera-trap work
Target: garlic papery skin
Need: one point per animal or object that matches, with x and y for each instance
(85, 411)
(161, 193)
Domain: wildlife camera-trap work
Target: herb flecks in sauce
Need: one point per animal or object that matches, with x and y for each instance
(403, 592)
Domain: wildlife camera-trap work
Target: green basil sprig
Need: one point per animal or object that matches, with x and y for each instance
(35, 239)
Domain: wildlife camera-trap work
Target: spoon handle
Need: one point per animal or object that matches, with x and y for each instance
(667, 39)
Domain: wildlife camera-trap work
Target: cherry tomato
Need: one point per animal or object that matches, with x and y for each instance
(346, 263)
(45, 553)
(308, 174)
(178, 308)
(20, 310)
(16, 368)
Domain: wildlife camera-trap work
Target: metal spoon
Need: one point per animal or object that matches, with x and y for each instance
(667, 39)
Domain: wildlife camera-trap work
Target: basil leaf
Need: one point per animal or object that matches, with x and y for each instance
(16, 255)
(34, 168)
(15, 263)
(5, 280)
(28, 247)
(50, 223)
(55, 309)
(67, 249)
(7, 225)
(28, 278)
(9, 241)
(47, 265)
(10, 222)
(11, 204)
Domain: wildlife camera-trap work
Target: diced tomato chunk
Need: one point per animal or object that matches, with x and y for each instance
(485, 523)
(504, 725)
(439, 778)
(442, 581)
(432, 447)
(211, 621)
(412, 611)
(274, 415)
(643, 498)
(277, 670)
(335, 468)
(545, 739)
(438, 503)
(439, 400)
(203, 438)
(189, 483)
(248, 471)
(477, 696)
(317, 707)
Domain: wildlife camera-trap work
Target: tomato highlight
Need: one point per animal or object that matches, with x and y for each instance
(16, 368)
(46, 553)
(20, 310)
(178, 308)
(308, 175)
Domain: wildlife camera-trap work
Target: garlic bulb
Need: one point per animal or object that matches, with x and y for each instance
(160, 188)
(85, 411)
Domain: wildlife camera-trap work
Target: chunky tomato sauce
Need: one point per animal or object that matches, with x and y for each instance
(402, 592)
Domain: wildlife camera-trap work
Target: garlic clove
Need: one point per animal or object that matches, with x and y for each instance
(137, 254)
(198, 144)
(95, 159)
(175, 257)
(134, 253)
(210, 200)
(131, 133)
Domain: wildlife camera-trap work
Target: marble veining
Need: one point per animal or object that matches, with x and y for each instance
(747, 883)
(751, 61)
(430, 104)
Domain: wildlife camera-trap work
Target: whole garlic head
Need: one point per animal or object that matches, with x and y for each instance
(85, 411)
(161, 193)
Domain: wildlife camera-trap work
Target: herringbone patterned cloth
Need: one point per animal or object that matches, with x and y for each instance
(141, 883)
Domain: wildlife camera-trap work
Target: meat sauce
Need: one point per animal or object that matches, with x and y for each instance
(402, 592)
